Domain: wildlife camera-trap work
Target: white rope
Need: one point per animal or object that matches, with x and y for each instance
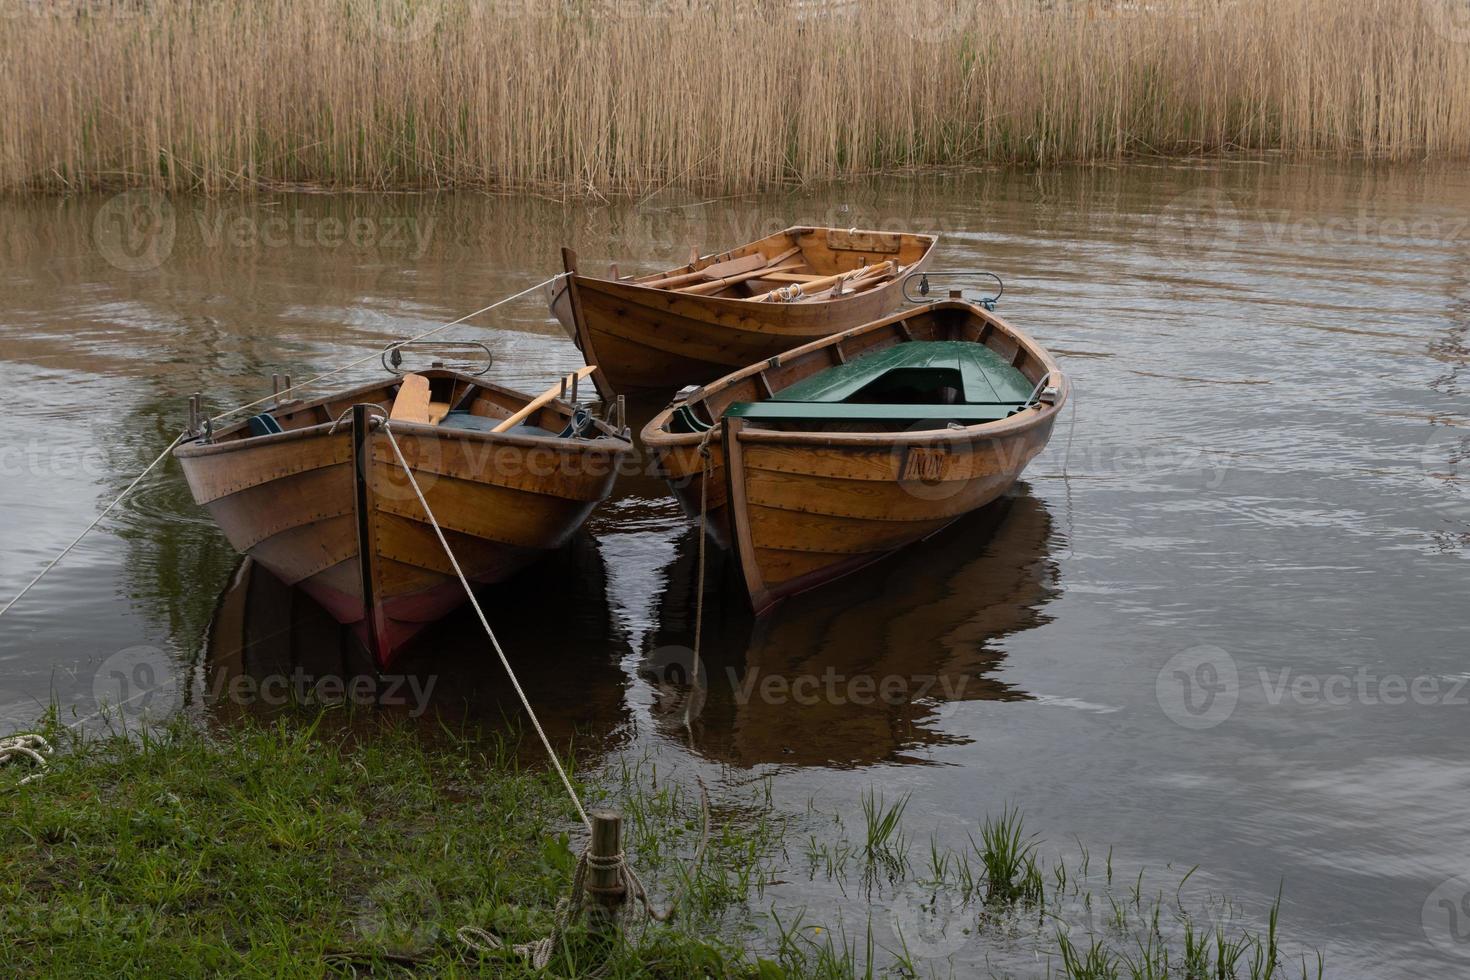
(261, 401)
(504, 660)
(391, 347)
(88, 530)
(32, 747)
(698, 666)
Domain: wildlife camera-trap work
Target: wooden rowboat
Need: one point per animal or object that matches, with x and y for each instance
(720, 312)
(826, 458)
(310, 487)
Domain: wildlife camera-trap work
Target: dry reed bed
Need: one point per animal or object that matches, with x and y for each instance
(620, 95)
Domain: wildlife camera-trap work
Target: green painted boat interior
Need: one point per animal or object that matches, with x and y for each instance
(906, 373)
(939, 382)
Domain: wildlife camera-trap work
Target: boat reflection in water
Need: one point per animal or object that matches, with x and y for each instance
(270, 649)
(861, 671)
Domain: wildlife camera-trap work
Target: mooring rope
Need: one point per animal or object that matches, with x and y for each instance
(258, 402)
(32, 747)
(540, 951)
(709, 468)
(494, 640)
(391, 347)
(88, 530)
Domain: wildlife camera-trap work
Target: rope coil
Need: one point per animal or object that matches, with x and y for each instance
(31, 747)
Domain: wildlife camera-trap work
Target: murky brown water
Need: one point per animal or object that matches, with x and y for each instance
(1227, 628)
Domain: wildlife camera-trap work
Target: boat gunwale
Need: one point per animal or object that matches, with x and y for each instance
(656, 437)
(194, 449)
(746, 305)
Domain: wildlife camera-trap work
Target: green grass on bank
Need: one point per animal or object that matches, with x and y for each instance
(287, 850)
(278, 851)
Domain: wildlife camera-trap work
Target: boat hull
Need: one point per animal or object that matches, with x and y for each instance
(799, 509)
(645, 339)
(330, 509)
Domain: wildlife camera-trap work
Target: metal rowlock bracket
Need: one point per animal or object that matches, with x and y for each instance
(958, 280)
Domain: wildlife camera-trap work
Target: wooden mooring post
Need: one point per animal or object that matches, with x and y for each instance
(604, 870)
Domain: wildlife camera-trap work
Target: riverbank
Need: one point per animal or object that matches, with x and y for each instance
(283, 850)
(610, 97)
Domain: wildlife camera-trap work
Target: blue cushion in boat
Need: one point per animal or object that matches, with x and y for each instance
(264, 424)
(461, 419)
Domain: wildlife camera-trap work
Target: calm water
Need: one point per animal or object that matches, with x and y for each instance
(1222, 622)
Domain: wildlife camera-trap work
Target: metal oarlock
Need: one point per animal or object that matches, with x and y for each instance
(930, 282)
(392, 356)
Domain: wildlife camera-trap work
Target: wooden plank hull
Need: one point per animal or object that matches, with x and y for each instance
(798, 509)
(330, 510)
(649, 339)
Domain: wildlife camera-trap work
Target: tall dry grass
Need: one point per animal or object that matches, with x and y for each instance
(612, 95)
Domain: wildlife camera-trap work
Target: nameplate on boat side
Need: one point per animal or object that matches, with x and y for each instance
(924, 463)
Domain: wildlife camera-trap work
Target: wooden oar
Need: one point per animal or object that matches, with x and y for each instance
(729, 267)
(800, 289)
(887, 273)
(743, 263)
(704, 288)
(789, 277)
(540, 400)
